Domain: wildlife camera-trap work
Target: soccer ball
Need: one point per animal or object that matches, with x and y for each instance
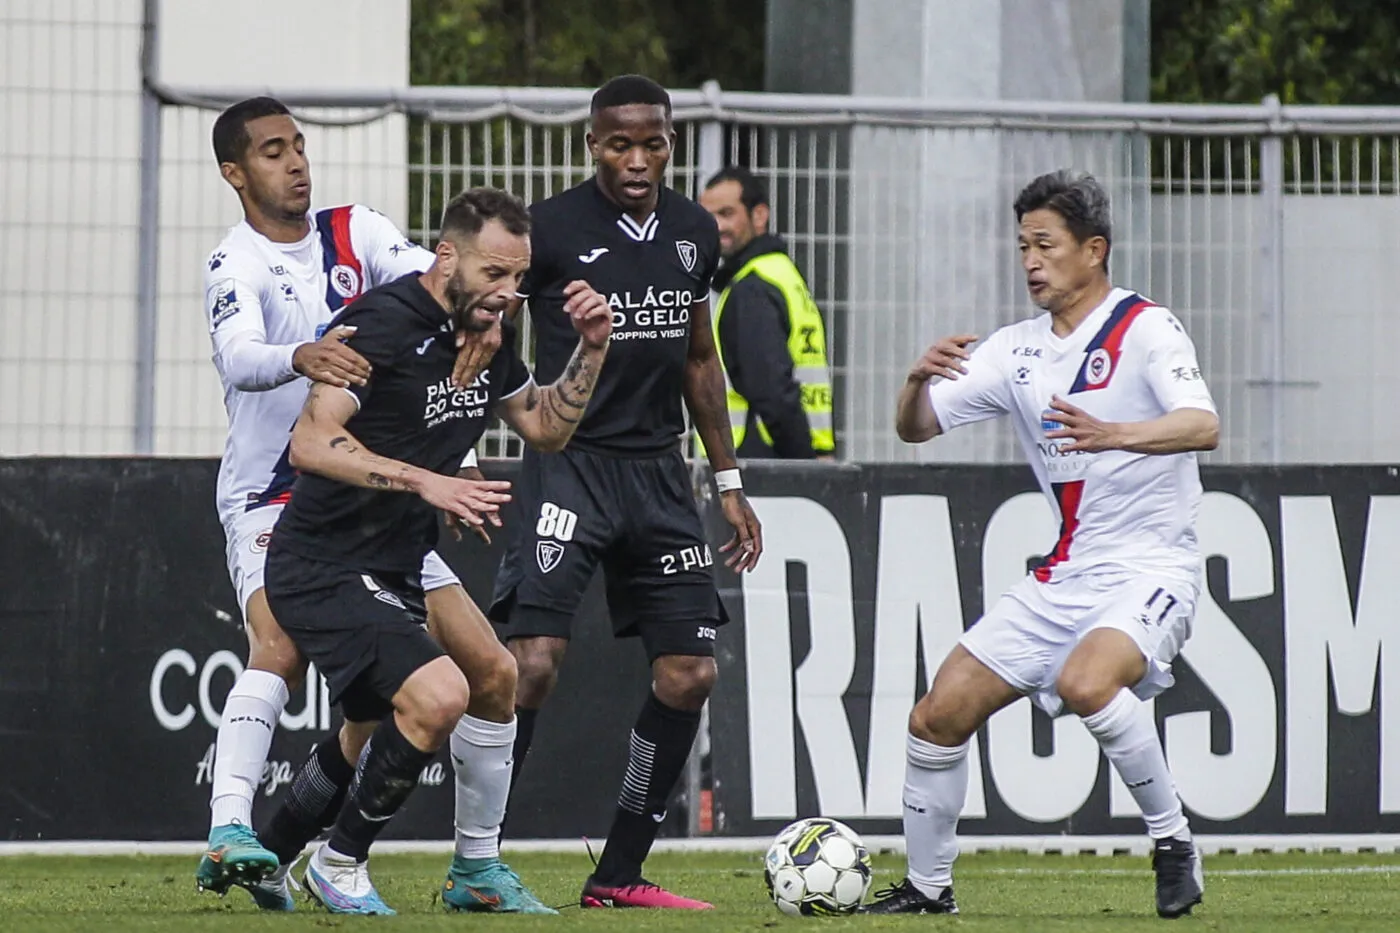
(817, 866)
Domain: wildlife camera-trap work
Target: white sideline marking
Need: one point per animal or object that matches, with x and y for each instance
(1034, 845)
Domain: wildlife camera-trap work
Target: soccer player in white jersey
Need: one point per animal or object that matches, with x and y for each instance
(271, 288)
(1109, 405)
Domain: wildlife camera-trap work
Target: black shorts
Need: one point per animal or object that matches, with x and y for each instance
(636, 518)
(366, 632)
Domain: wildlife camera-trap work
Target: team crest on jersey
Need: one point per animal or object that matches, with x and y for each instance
(1098, 369)
(548, 554)
(686, 250)
(345, 281)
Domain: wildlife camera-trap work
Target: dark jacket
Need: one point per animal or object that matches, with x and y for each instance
(753, 335)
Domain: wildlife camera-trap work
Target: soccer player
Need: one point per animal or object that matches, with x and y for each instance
(620, 494)
(271, 288)
(1109, 405)
(344, 560)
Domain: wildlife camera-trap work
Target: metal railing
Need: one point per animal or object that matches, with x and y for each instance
(1268, 229)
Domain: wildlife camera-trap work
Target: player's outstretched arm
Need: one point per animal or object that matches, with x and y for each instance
(1181, 431)
(546, 418)
(915, 421)
(704, 390)
(709, 410)
(321, 444)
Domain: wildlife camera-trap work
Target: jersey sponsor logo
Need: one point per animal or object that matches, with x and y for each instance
(288, 293)
(217, 260)
(686, 250)
(657, 313)
(345, 280)
(1098, 368)
(321, 329)
(1023, 375)
(592, 255)
(259, 543)
(548, 554)
(225, 304)
(445, 401)
(397, 248)
(277, 270)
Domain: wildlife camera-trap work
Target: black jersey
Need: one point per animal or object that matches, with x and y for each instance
(649, 273)
(409, 411)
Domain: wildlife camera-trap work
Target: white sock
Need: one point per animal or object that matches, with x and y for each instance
(935, 787)
(481, 758)
(1128, 736)
(240, 752)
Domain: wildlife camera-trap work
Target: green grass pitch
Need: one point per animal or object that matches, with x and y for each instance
(1276, 893)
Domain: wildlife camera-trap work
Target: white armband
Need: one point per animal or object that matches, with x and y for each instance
(727, 480)
(469, 461)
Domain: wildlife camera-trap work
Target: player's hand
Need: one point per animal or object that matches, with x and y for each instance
(589, 313)
(454, 525)
(471, 502)
(943, 359)
(475, 350)
(1088, 433)
(330, 361)
(747, 543)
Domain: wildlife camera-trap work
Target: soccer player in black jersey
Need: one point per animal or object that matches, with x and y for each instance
(620, 494)
(376, 461)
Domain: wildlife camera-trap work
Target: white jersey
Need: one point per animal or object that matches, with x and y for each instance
(263, 300)
(1129, 360)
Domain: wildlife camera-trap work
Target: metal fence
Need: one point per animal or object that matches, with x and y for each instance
(1268, 229)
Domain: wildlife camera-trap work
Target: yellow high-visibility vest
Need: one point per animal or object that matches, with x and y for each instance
(806, 343)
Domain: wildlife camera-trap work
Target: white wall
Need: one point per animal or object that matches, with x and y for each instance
(69, 188)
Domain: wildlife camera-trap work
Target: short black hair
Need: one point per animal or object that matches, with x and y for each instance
(231, 128)
(751, 191)
(468, 212)
(630, 89)
(1077, 197)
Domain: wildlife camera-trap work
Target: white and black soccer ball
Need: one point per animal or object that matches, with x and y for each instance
(817, 866)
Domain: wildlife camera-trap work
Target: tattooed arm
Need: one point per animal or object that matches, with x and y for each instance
(545, 418)
(322, 445)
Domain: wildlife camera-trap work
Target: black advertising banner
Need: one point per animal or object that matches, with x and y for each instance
(1285, 717)
(122, 637)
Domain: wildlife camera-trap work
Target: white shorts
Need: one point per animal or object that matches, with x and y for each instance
(246, 536)
(1027, 636)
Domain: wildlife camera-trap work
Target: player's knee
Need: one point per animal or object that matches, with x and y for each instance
(684, 682)
(537, 670)
(935, 719)
(278, 656)
(1085, 691)
(494, 683)
(433, 702)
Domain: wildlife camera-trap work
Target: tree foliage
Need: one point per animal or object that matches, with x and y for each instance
(1305, 51)
(582, 43)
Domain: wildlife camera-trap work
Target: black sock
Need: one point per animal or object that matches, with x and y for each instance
(313, 801)
(524, 735)
(659, 746)
(388, 773)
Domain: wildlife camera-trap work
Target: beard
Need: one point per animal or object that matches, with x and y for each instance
(464, 303)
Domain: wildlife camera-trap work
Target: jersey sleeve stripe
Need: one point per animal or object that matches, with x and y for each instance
(338, 250)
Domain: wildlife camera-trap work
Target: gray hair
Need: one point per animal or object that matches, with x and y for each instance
(1077, 197)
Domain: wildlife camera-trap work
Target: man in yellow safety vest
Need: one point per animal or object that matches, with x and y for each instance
(770, 335)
